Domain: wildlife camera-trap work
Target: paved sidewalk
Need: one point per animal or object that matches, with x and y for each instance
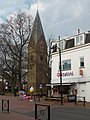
(21, 109)
(17, 109)
(25, 110)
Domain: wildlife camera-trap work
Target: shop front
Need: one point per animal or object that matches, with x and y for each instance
(54, 89)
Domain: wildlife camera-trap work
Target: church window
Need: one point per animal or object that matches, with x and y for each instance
(41, 57)
(31, 58)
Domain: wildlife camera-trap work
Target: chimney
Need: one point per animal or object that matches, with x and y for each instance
(58, 37)
(78, 31)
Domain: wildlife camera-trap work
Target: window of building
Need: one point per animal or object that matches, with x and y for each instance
(54, 47)
(61, 44)
(70, 43)
(31, 57)
(66, 64)
(41, 57)
(79, 39)
(87, 40)
(82, 62)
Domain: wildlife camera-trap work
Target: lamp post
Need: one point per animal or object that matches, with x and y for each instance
(41, 90)
(54, 48)
(60, 76)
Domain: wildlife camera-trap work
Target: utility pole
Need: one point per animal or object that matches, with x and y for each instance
(59, 50)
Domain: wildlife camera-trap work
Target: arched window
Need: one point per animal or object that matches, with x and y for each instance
(41, 57)
(31, 57)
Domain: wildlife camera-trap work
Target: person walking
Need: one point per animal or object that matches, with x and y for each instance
(31, 93)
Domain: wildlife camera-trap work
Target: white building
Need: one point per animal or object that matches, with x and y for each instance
(75, 63)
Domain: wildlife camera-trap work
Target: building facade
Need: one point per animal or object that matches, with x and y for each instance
(75, 64)
(37, 57)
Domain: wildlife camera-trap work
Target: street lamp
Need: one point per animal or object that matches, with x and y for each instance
(60, 75)
(41, 90)
(55, 47)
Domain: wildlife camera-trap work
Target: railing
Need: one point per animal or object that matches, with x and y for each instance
(36, 97)
(76, 99)
(80, 99)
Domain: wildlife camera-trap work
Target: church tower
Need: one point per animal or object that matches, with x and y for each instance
(37, 57)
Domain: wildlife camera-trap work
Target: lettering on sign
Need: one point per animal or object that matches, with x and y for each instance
(65, 74)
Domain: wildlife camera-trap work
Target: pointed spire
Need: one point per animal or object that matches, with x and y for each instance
(37, 28)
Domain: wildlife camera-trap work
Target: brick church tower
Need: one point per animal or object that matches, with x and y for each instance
(37, 57)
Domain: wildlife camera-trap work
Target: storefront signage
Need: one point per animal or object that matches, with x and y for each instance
(65, 74)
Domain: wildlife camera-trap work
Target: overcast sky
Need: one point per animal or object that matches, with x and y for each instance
(59, 17)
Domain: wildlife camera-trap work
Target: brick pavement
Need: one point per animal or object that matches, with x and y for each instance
(25, 109)
(17, 109)
(21, 109)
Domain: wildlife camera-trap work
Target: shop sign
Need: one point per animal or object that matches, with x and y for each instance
(65, 74)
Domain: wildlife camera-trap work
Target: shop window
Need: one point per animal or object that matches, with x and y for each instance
(66, 64)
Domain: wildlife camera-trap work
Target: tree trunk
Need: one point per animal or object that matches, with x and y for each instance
(19, 76)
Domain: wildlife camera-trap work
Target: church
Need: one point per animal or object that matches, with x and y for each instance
(37, 58)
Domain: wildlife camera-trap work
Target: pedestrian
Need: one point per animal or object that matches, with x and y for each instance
(15, 91)
(31, 93)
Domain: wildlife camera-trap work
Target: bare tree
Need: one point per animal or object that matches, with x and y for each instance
(49, 56)
(14, 36)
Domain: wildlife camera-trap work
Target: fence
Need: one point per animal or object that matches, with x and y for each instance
(36, 97)
(80, 99)
(5, 105)
(76, 99)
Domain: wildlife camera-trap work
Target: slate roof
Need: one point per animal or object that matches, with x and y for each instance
(87, 40)
(69, 43)
(37, 28)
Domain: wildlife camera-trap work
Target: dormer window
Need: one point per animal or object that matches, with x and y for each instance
(69, 43)
(87, 40)
(79, 39)
(54, 47)
(61, 44)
